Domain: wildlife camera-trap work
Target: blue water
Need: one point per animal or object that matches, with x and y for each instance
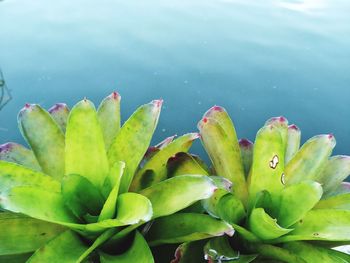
(256, 58)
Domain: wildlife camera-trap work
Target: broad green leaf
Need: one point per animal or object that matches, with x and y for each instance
(321, 224)
(268, 163)
(246, 234)
(218, 248)
(310, 253)
(12, 175)
(133, 208)
(67, 248)
(336, 170)
(133, 139)
(109, 116)
(37, 203)
(264, 226)
(225, 155)
(45, 138)
(341, 201)
(190, 252)
(81, 196)
(85, 149)
(16, 153)
(186, 227)
(276, 253)
(231, 209)
(184, 163)
(138, 252)
(158, 162)
(302, 167)
(16, 258)
(59, 112)
(49, 206)
(297, 200)
(224, 187)
(293, 142)
(21, 234)
(246, 147)
(174, 194)
(113, 180)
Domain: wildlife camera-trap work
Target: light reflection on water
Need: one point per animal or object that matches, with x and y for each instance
(256, 58)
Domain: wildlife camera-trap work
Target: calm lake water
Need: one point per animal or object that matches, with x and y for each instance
(256, 58)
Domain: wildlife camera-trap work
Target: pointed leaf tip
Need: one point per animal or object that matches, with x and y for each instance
(158, 103)
(115, 95)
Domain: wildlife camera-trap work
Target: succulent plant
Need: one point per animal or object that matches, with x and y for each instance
(286, 204)
(86, 187)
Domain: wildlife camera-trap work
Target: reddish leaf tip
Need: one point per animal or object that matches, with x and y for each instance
(115, 95)
(158, 103)
(293, 127)
(245, 143)
(57, 107)
(6, 147)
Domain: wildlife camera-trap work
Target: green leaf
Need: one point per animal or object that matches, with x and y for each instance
(109, 116)
(219, 249)
(246, 234)
(45, 138)
(246, 147)
(16, 258)
(184, 163)
(59, 112)
(297, 200)
(81, 196)
(268, 163)
(264, 226)
(157, 163)
(321, 224)
(67, 248)
(336, 170)
(293, 142)
(37, 203)
(190, 252)
(186, 227)
(12, 175)
(302, 167)
(21, 234)
(231, 209)
(275, 253)
(133, 139)
(341, 201)
(174, 194)
(138, 252)
(16, 153)
(310, 252)
(225, 155)
(224, 187)
(133, 208)
(113, 180)
(85, 149)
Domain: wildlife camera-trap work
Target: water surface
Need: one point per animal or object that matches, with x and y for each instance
(256, 58)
